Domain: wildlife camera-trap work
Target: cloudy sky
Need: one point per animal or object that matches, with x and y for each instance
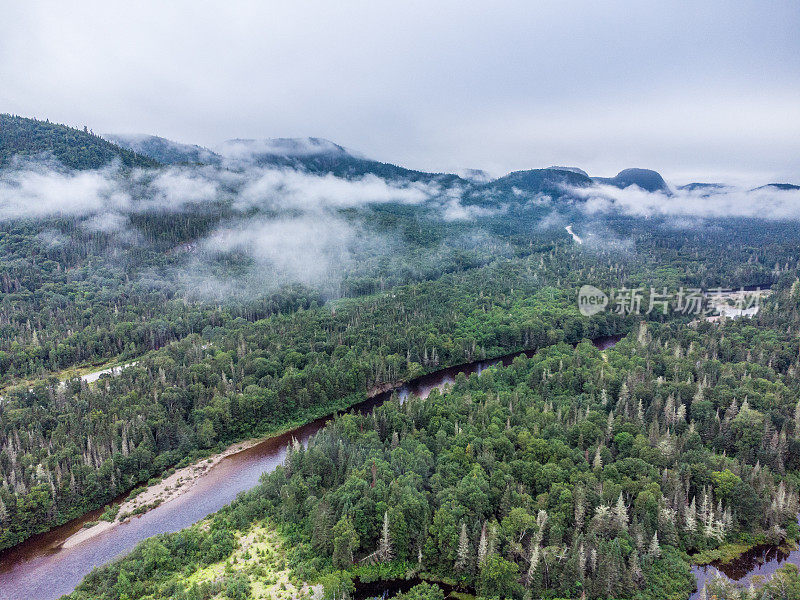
(698, 91)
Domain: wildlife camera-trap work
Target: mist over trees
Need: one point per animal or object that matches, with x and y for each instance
(574, 472)
(279, 281)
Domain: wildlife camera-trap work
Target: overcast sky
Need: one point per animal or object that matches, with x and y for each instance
(696, 90)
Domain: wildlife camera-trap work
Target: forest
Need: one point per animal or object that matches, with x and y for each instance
(576, 473)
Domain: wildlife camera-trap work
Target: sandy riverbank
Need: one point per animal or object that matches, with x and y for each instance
(159, 493)
(181, 481)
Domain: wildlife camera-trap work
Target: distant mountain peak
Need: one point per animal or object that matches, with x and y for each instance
(525, 185)
(705, 189)
(571, 170)
(785, 187)
(647, 179)
(702, 186)
(242, 149)
(475, 175)
(162, 149)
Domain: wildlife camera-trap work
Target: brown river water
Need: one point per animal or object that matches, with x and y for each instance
(761, 560)
(40, 569)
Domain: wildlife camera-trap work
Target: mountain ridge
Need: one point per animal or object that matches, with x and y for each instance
(162, 149)
(74, 148)
(82, 149)
(647, 179)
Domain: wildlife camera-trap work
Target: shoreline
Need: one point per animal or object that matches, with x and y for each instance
(183, 479)
(166, 490)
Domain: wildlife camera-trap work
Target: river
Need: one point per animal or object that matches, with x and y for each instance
(40, 569)
(761, 560)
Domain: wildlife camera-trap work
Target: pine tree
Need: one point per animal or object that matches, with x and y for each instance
(482, 546)
(580, 509)
(797, 419)
(621, 513)
(385, 552)
(636, 570)
(597, 463)
(491, 541)
(534, 560)
(642, 335)
(462, 559)
(690, 517)
(623, 396)
(655, 548)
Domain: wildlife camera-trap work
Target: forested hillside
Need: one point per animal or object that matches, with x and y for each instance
(23, 137)
(70, 449)
(574, 472)
(283, 280)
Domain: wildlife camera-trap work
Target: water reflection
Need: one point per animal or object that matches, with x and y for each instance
(40, 569)
(761, 560)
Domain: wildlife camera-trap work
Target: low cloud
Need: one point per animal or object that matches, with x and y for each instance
(305, 249)
(285, 188)
(454, 209)
(277, 226)
(175, 187)
(35, 190)
(765, 203)
(106, 222)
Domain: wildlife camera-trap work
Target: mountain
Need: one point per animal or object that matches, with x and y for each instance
(20, 136)
(320, 156)
(475, 175)
(273, 149)
(694, 187)
(554, 182)
(163, 150)
(646, 179)
(777, 186)
(571, 169)
(705, 189)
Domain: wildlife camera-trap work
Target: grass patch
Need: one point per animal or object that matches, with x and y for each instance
(724, 554)
(261, 558)
(136, 491)
(110, 513)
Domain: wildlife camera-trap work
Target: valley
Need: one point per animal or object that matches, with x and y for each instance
(315, 375)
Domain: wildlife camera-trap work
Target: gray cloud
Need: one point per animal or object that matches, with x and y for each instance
(281, 225)
(685, 88)
(106, 222)
(309, 249)
(765, 203)
(35, 190)
(293, 189)
(453, 208)
(175, 187)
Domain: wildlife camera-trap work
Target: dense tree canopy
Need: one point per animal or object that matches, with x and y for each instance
(573, 472)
